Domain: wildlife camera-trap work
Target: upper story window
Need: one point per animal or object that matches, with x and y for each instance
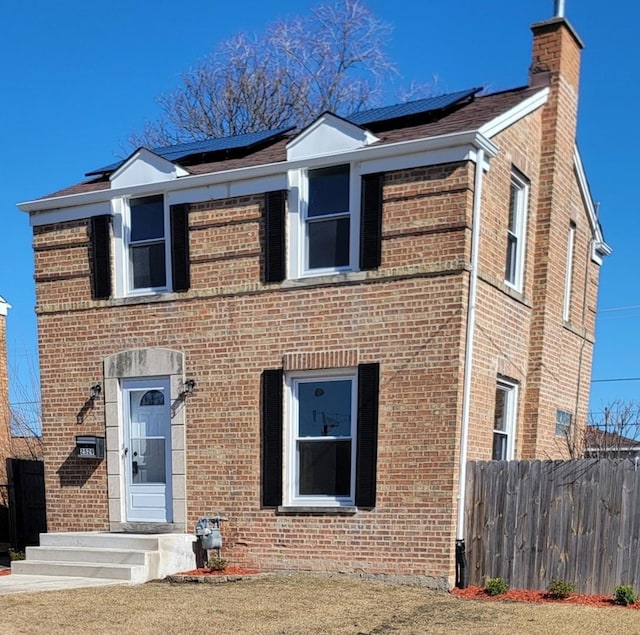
(150, 242)
(516, 232)
(334, 223)
(568, 276)
(147, 244)
(324, 217)
(328, 219)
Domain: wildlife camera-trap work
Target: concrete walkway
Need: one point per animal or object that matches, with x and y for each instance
(32, 583)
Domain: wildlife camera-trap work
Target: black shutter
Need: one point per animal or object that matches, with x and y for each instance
(274, 236)
(367, 441)
(101, 251)
(371, 221)
(272, 437)
(180, 247)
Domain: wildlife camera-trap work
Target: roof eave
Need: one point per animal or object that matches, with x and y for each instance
(472, 138)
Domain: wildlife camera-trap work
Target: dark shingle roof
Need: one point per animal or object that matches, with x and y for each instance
(467, 113)
(184, 151)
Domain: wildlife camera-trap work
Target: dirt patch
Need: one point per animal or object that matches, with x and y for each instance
(522, 595)
(5, 571)
(231, 573)
(230, 570)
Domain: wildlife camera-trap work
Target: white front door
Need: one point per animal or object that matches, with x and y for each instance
(147, 455)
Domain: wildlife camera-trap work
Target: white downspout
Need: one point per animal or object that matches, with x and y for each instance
(468, 356)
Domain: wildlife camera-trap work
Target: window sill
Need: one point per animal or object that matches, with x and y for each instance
(323, 279)
(162, 296)
(315, 511)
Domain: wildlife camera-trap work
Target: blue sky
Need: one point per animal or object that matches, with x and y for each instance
(79, 76)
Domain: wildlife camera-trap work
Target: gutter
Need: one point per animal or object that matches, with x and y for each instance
(462, 575)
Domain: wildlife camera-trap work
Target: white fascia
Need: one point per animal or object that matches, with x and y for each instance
(600, 247)
(430, 151)
(508, 118)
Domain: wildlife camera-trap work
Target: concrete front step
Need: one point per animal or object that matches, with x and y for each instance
(101, 540)
(91, 554)
(118, 556)
(130, 573)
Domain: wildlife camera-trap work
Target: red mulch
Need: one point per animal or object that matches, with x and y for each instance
(5, 571)
(521, 595)
(229, 570)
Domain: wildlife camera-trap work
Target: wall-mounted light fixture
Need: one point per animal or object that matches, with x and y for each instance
(189, 385)
(94, 393)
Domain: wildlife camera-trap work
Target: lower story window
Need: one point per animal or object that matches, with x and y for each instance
(320, 438)
(321, 417)
(563, 422)
(504, 421)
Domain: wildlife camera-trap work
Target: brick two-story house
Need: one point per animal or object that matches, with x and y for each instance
(311, 331)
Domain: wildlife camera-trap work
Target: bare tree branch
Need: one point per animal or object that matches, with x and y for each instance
(334, 59)
(612, 434)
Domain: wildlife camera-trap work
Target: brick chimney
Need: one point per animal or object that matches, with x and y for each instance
(555, 64)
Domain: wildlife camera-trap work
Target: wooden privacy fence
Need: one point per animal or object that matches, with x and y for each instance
(531, 521)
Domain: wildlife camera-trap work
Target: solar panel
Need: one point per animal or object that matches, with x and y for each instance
(173, 153)
(409, 108)
(183, 150)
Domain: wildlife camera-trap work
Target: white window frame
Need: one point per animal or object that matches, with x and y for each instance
(568, 277)
(298, 181)
(518, 188)
(510, 389)
(291, 497)
(122, 231)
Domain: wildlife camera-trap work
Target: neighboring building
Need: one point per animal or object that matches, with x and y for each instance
(601, 443)
(362, 305)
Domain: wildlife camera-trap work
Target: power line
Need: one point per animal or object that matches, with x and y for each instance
(598, 381)
(620, 308)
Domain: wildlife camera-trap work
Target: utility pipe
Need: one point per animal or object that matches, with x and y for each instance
(462, 576)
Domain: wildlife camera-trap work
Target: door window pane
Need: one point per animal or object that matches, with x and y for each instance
(148, 461)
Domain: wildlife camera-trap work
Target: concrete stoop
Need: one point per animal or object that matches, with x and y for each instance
(132, 558)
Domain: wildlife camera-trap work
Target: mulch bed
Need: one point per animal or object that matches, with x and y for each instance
(5, 571)
(522, 595)
(231, 573)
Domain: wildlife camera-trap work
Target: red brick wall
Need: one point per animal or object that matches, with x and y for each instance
(409, 317)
